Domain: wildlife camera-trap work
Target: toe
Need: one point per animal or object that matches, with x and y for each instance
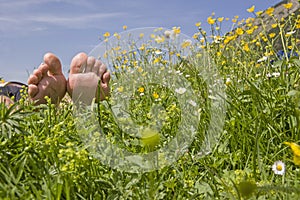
(78, 63)
(32, 90)
(37, 74)
(54, 64)
(90, 64)
(106, 78)
(96, 68)
(102, 69)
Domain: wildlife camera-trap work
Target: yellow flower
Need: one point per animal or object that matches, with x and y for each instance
(258, 13)
(120, 89)
(272, 35)
(246, 47)
(274, 25)
(220, 19)
(239, 31)
(249, 20)
(124, 27)
(117, 36)
(198, 24)
(107, 34)
(142, 47)
(176, 30)
(288, 5)
(250, 31)
(155, 95)
(210, 20)
(156, 60)
(270, 11)
(196, 35)
(141, 35)
(251, 9)
(160, 39)
(186, 43)
(296, 151)
(141, 89)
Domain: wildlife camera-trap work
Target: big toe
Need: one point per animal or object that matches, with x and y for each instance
(78, 63)
(54, 64)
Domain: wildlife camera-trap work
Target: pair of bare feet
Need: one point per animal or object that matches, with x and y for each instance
(86, 74)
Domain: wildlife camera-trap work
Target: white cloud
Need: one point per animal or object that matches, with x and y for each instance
(20, 16)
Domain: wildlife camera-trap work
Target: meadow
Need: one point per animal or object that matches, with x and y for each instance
(231, 103)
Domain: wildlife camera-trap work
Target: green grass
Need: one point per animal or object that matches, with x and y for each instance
(44, 156)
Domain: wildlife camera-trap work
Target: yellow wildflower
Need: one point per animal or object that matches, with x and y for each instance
(117, 36)
(140, 69)
(288, 5)
(272, 35)
(198, 24)
(124, 27)
(220, 19)
(142, 47)
(176, 30)
(120, 89)
(296, 151)
(141, 89)
(239, 31)
(270, 11)
(196, 35)
(160, 39)
(156, 60)
(258, 13)
(141, 35)
(107, 34)
(251, 9)
(250, 31)
(186, 43)
(210, 20)
(246, 47)
(274, 25)
(249, 20)
(155, 95)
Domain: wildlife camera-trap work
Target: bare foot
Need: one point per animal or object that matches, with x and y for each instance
(47, 80)
(85, 74)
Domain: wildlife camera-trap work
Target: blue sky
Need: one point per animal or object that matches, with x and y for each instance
(30, 28)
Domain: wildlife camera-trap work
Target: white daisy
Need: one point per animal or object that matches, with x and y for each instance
(278, 167)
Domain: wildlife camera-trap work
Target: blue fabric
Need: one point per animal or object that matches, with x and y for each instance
(12, 89)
